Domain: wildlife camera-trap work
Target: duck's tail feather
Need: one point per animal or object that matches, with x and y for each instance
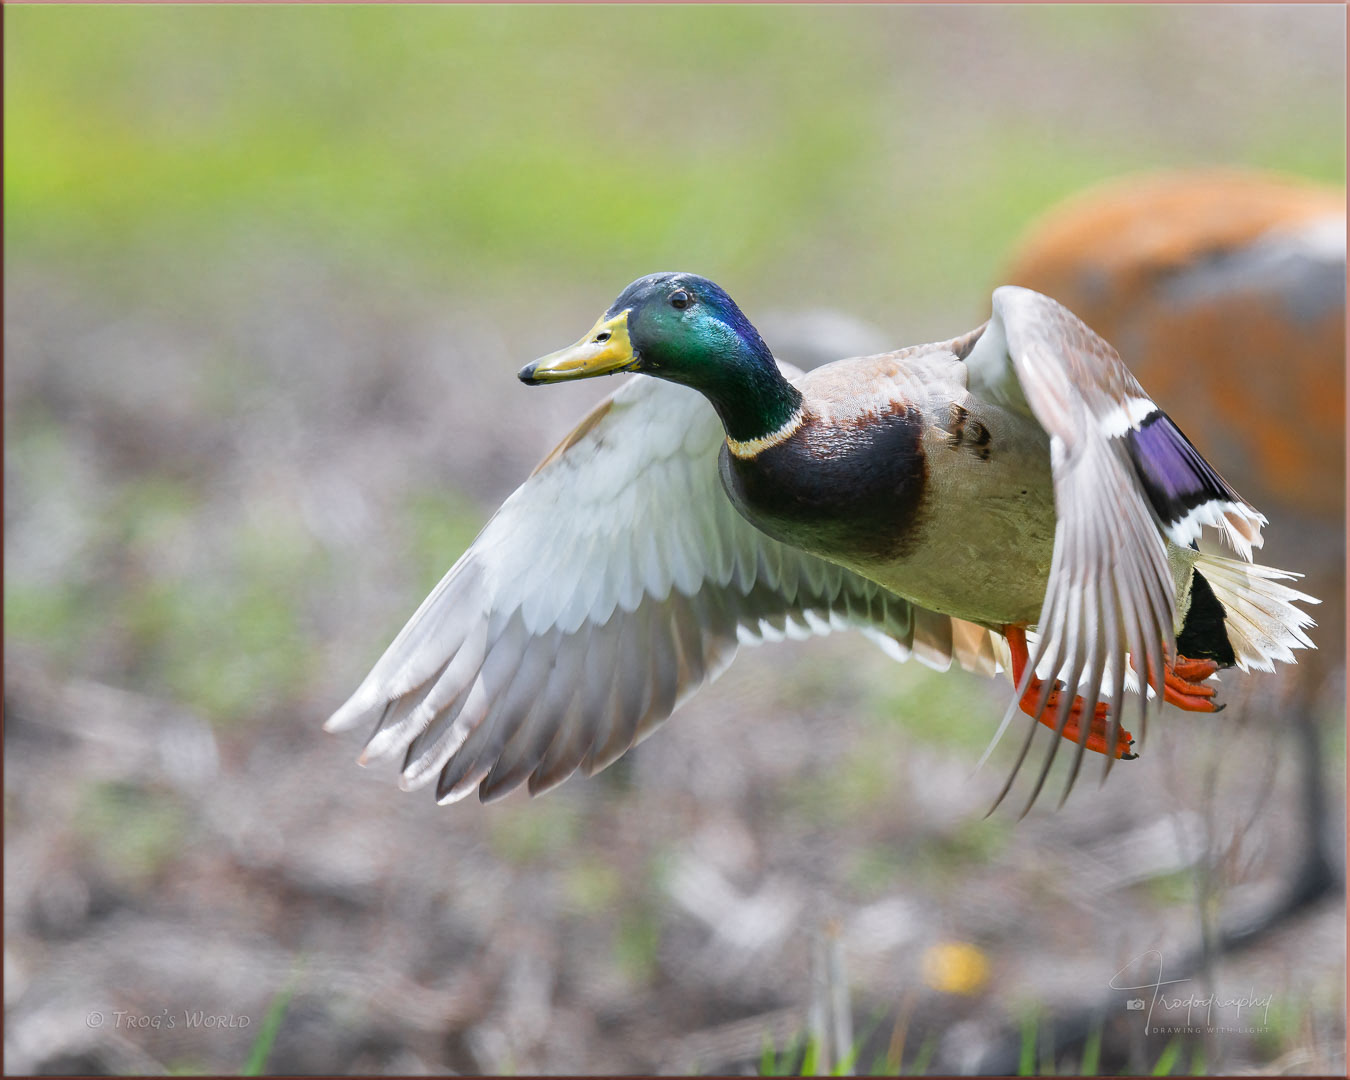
(1238, 614)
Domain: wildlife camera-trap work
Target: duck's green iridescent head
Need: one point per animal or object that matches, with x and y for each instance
(685, 329)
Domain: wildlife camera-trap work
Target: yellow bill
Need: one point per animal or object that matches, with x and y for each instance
(604, 350)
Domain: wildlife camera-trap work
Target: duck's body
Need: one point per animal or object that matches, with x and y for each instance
(896, 471)
(944, 499)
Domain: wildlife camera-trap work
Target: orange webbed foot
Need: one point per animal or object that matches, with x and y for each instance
(1184, 685)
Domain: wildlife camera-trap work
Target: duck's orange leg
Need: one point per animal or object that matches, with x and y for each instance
(1098, 729)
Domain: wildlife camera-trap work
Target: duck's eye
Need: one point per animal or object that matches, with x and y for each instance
(680, 299)
(601, 337)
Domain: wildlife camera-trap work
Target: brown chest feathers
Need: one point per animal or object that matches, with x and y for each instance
(849, 487)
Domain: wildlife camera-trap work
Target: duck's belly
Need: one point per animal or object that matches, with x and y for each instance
(986, 535)
(954, 512)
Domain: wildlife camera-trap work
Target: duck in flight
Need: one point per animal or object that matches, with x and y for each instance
(1009, 499)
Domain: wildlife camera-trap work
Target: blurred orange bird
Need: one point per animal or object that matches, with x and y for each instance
(1232, 281)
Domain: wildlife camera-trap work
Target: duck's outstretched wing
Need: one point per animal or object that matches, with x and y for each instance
(1124, 478)
(609, 586)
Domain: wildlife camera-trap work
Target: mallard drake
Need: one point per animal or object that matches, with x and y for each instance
(949, 500)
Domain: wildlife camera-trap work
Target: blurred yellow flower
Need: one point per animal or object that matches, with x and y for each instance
(955, 967)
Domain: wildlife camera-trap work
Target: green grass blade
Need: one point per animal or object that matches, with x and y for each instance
(1168, 1058)
(1092, 1052)
(849, 1061)
(766, 1062)
(810, 1066)
(925, 1055)
(775, 1062)
(1026, 1065)
(267, 1034)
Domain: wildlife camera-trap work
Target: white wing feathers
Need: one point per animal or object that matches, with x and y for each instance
(1125, 480)
(1110, 589)
(609, 586)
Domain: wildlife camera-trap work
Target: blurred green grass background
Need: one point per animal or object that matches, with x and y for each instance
(856, 152)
